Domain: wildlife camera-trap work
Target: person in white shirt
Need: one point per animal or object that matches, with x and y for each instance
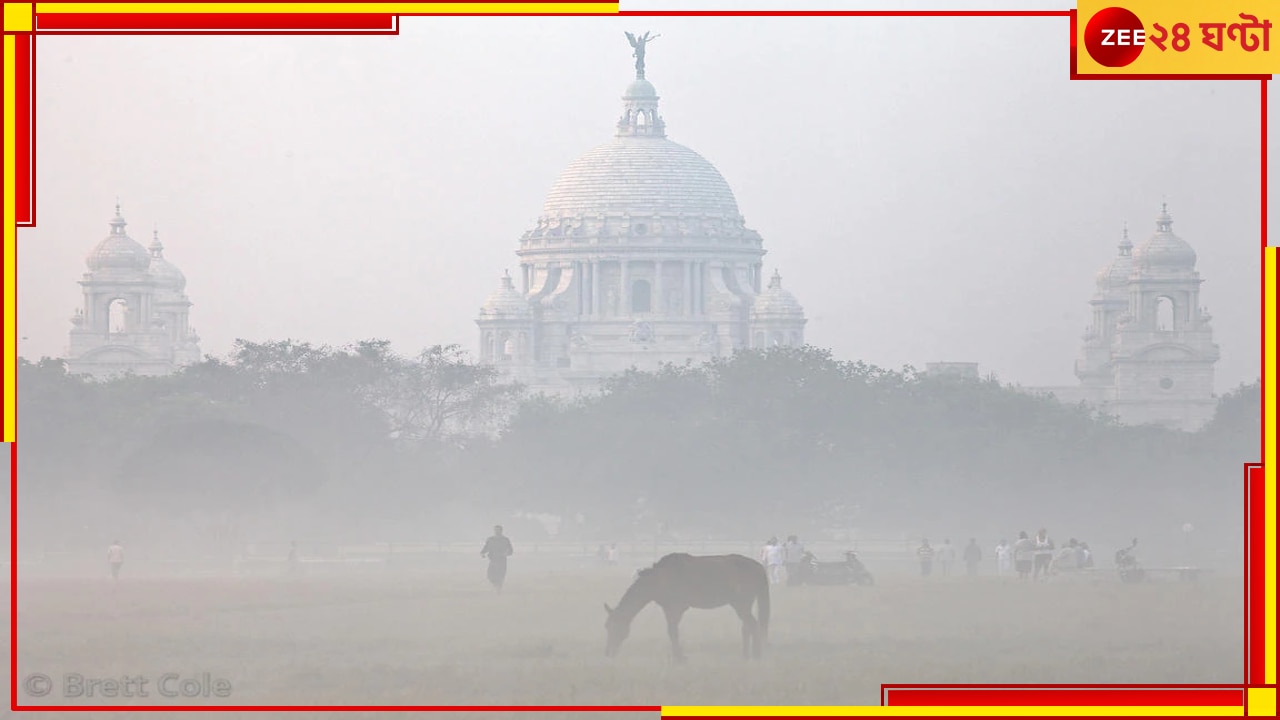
(1004, 558)
(115, 558)
(1043, 555)
(1024, 551)
(946, 555)
(774, 560)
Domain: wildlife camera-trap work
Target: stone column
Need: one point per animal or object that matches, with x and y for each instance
(693, 287)
(624, 294)
(595, 289)
(658, 303)
(698, 304)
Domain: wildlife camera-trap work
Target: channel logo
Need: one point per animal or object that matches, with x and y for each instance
(1114, 37)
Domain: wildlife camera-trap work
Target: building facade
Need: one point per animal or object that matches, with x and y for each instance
(134, 319)
(640, 257)
(1148, 355)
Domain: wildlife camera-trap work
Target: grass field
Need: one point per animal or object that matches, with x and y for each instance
(448, 639)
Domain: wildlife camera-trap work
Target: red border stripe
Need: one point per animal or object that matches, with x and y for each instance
(24, 129)
(1168, 697)
(1257, 571)
(241, 22)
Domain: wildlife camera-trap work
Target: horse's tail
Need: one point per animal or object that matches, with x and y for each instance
(762, 605)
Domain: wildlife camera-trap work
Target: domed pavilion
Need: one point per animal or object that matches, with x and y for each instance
(640, 256)
(134, 317)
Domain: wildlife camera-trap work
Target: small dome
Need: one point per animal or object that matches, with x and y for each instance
(166, 274)
(640, 89)
(775, 301)
(1164, 250)
(506, 302)
(1114, 276)
(118, 251)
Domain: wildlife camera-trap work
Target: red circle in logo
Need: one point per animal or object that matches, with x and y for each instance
(1110, 38)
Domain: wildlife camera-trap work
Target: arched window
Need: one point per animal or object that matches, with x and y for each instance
(508, 348)
(640, 299)
(775, 339)
(642, 119)
(1165, 319)
(117, 316)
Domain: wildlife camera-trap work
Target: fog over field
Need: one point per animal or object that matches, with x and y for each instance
(306, 513)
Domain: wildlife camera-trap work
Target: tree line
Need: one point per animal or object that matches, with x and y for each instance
(362, 440)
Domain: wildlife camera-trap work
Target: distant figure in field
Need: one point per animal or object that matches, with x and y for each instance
(793, 554)
(497, 548)
(1127, 563)
(774, 559)
(1024, 552)
(1067, 558)
(291, 564)
(1043, 554)
(602, 555)
(924, 553)
(1004, 558)
(946, 556)
(680, 581)
(115, 558)
(1086, 556)
(972, 556)
(611, 555)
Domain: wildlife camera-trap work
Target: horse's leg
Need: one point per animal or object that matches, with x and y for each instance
(673, 630)
(750, 630)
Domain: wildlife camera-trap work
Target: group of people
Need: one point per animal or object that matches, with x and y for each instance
(783, 560)
(1036, 558)
(1032, 558)
(945, 556)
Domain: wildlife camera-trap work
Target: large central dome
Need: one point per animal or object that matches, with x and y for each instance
(641, 175)
(641, 172)
(641, 257)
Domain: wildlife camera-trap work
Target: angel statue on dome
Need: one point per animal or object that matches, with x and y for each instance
(638, 43)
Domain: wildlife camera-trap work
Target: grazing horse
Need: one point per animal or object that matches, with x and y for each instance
(680, 581)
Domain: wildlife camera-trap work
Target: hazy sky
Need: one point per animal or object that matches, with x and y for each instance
(931, 189)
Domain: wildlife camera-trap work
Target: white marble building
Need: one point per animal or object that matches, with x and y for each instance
(1148, 356)
(134, 318)
(640, 256)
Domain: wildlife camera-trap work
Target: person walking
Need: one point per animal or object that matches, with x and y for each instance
(924, 554)
(115, 558)
(774, 560)
(1004, 558)
(497, 548)
(1024, 551)
(972, 556)
(946, 555)
(1043, 554)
